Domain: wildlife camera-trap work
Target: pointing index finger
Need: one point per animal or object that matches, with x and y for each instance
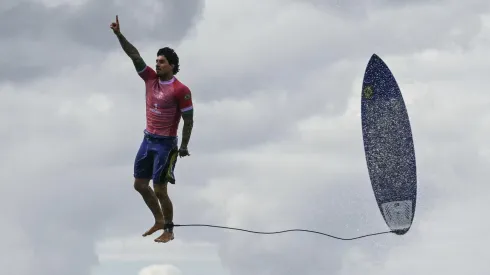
(117, 19)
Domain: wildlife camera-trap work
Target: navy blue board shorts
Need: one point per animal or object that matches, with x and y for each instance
(156, 159)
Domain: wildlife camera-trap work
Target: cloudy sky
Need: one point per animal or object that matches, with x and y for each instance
(276, 145)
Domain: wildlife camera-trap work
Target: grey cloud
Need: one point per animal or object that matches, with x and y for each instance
(340, 41)
(38, 40)
(60, 187)
(60, 212)
(334, 209)
(345, 208)
(356, 9)
(270, 114)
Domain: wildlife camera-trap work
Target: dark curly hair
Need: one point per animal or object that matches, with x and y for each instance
(171, 56)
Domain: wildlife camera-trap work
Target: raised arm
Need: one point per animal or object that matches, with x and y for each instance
(128, 48)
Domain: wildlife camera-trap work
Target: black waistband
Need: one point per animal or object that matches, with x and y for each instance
(153, 136)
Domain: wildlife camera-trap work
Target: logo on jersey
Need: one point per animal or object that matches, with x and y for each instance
(159, 94)
(155, 110)
(187, 96)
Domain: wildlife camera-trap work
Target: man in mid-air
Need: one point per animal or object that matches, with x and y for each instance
(167, 100)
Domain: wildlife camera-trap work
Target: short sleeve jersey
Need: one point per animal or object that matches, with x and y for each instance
(165, 102)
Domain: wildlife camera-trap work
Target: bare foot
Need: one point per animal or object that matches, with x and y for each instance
(165, 237)
(157, 226)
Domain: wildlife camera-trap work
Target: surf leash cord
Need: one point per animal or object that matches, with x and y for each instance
(283, 231)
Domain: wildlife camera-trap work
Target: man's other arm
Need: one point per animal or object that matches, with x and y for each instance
(187, 110)
(188, 117)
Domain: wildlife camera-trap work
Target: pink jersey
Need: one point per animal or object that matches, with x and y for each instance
(165, 102)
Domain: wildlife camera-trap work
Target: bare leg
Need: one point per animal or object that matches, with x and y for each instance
(167, 208)
(151, 200)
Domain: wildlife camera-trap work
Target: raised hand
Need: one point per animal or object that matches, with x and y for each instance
(115, 26)
(128, 48)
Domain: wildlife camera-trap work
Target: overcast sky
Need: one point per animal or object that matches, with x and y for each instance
(277, 142)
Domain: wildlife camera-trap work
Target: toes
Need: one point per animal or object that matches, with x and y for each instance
(164, 239)
(152, 230)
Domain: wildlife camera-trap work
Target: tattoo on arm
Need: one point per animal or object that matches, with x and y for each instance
(132, 52)
(187, 129)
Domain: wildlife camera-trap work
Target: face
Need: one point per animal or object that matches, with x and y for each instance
(163, 68)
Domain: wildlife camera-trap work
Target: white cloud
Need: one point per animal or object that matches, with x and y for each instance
(160, 270)
(137, 249)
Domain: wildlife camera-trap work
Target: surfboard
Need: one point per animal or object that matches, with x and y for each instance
(388, 146)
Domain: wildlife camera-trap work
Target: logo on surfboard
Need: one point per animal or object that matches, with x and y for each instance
(368, 92)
